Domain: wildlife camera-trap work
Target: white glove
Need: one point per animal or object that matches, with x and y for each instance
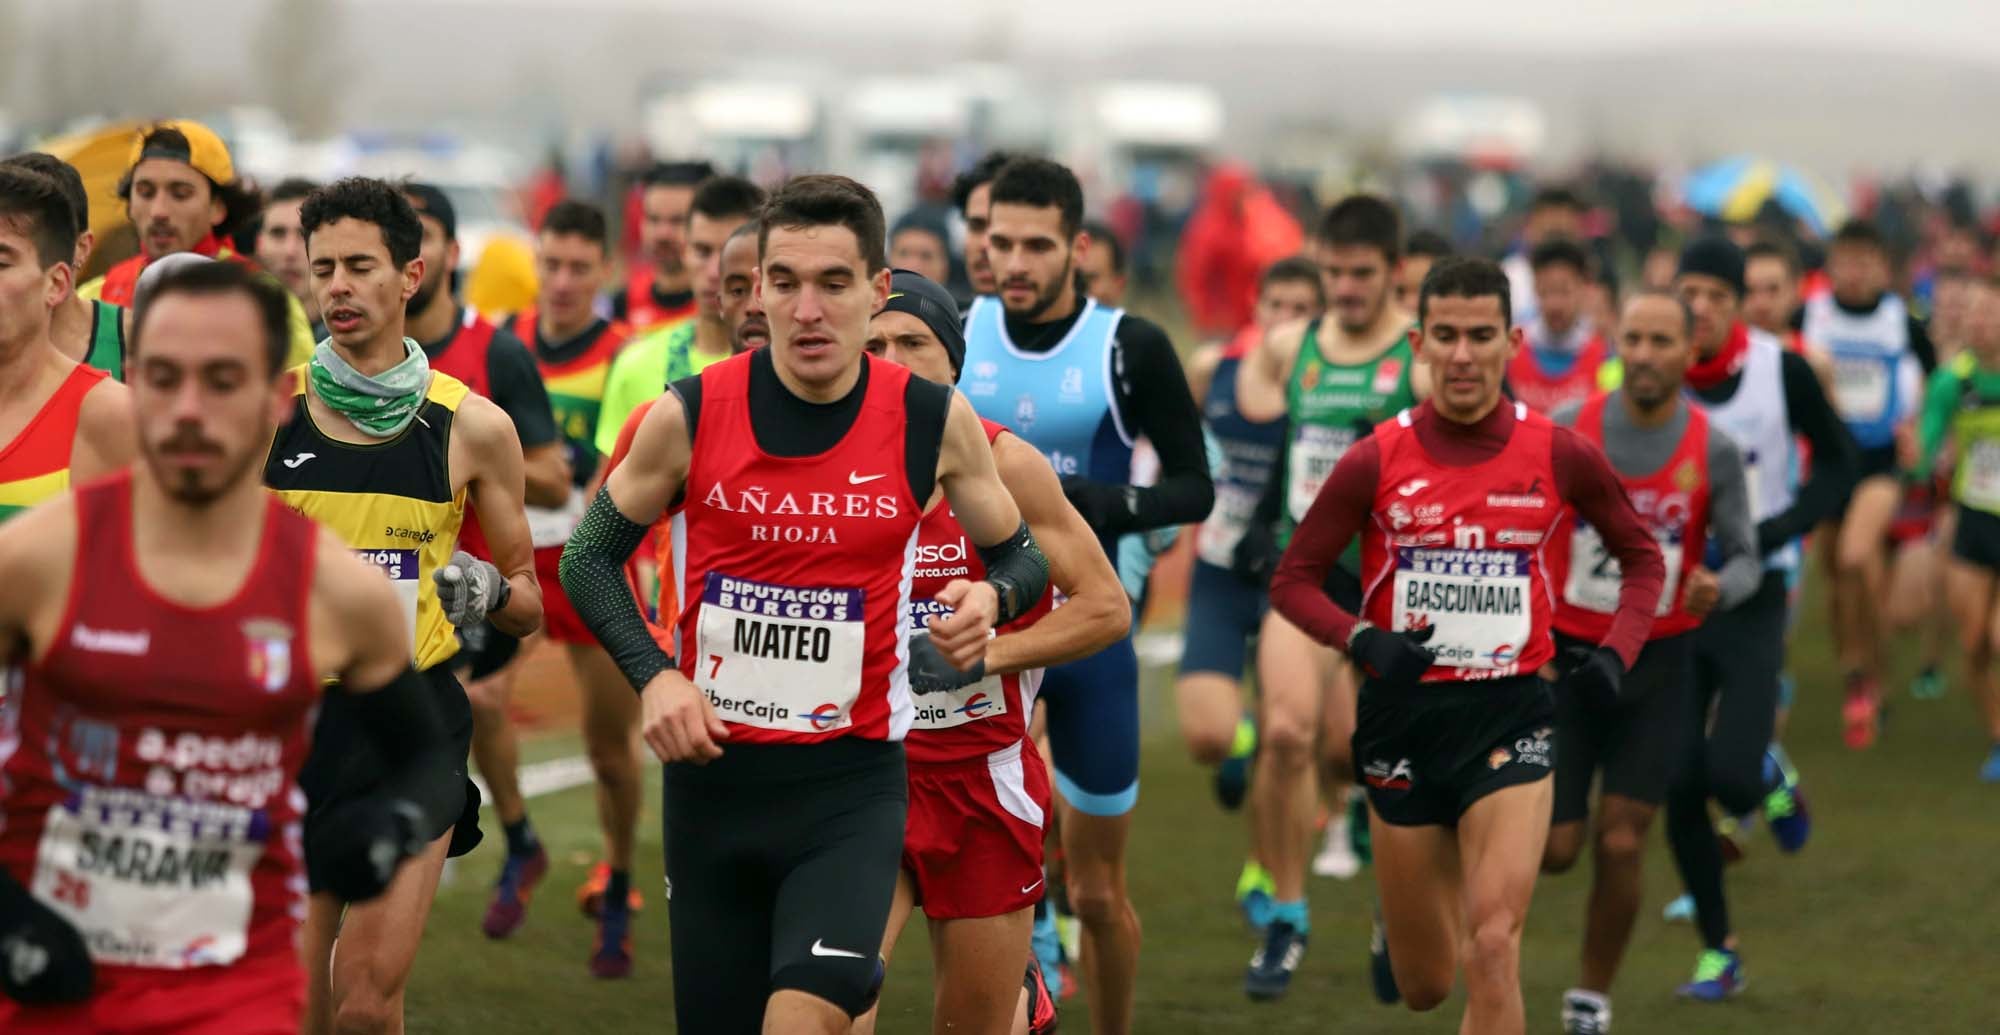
(469, 588)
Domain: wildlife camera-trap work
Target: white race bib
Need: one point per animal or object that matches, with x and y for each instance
(1595, 576)
(1477, 600)
(1982, 474)
(552, 526)
(780, 657)
(1861, 387)
(942, 711)
(400, 566)
(1313, 454)
(148, 881)
(1216, 539)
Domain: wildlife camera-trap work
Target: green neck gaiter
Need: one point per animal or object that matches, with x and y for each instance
(381, 406)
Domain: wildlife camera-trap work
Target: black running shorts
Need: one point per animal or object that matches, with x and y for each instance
(781, 865)
(1427, 753)
(344, 764)
(1977, 540)
(1636, 745)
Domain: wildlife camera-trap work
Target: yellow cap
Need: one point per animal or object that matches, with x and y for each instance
(204, 152)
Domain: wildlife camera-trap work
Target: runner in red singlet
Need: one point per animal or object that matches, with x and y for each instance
(802, 470)
(1454, 501)
(173, 623)
(979, 790)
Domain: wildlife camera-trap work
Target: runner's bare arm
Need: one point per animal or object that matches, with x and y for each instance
(1336, 516)
(656, 467)
(546, 470)
(1586, 480)
(1016, 571)
(358, 635)
(37, 560)
(969, 478)
(1095, 612)
(1201, 371)
(495, 491)
(106, 438)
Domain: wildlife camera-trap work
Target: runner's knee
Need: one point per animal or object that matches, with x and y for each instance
(1208, 743)
(1287, 737)
(365, 1010)
(1564, 845)
(1620, 843)
(1423, 992)
(1495, 944)
(612, 760)
(1098, 898)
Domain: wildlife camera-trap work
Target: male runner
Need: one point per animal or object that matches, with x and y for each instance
(493, 363)
(89, 331)
(1686, 481)
(1102, 265)
(1764, 398)
(1553, 212)
(659, 293)
(979, 790)
(389, 455)
(1564, 350)
(1082, 383)
(801, 470)
(740, 309)
(972, 194)
(1962, 406)
(687, 346)
(1420, 253)
(1881, 355)
(281, 245)
(1336, 378)
(1225, 609)
(919, 243)
(1453, 501)
(172, 624)
(60, 421)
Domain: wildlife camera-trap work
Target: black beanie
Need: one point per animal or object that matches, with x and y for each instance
(923, 298)
(1716, 257)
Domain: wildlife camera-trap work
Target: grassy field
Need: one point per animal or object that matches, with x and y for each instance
(1886, 923)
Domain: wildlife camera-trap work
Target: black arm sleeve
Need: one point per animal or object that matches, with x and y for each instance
(405, 722)
(593, 575)
(1154, 401)
(518, 389)
(1834, 459)
(926, 407)
(1018, 570)
(1922, 346)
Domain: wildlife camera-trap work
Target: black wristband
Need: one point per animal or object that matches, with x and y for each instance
(1018, 571)
(506, 594)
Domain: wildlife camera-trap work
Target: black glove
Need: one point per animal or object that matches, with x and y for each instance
(1105, 508)
(1396, 658)
(42, 958)
(930, 673)
(1593, 674)
(359, 844)
(1257, 554)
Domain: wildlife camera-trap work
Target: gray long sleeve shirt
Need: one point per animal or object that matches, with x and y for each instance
(1635, 451)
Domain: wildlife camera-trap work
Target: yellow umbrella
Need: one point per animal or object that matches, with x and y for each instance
(99, 155)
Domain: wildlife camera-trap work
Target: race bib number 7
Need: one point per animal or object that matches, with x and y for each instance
(780, 657)
(1476, 600)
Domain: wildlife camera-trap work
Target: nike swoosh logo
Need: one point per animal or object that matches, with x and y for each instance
(1031, 887)
(859, 479)
(819, 949)
(296, 462)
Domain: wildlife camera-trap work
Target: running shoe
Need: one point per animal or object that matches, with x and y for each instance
(1232, 777)
(1928, 686)
(1048, 950)
(1862, 712)
(1785, 809)
(611, 957)
(1679, 911)
(518, 877)
(1718, 975)
(1270, 972)
(1990, 772)
(1380, 973)
(1041, 1001)
(590, 895)
(1336, 856)
(1586, 1013)
(1255, 895)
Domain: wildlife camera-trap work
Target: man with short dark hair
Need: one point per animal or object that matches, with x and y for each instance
(1423, 249)
(972, 195)
(390, 454)
(658, 292)
(281, 245)
(1554, 211)
(1083, 382)
(88, 330)
(918, 243)
(1102, 265)
(1564, 351)
(801, 470)
(1452, 501)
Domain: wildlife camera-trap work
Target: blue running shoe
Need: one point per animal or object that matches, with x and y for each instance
(1254, 895)
(1679, 911)
(1048, 948)
(612, 956)
(1380, 973)
(1990, 772)
(1232, 777)
(1270, 972)
(1718, 975)
(1785, 811)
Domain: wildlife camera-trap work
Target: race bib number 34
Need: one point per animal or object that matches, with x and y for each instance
(780, 657)
(1477, 600)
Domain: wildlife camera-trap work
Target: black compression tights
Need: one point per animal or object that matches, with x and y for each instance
(1738, 655)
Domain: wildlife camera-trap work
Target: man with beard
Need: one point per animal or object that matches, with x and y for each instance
(1082, 383)
(659, 292)
(389, 454)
